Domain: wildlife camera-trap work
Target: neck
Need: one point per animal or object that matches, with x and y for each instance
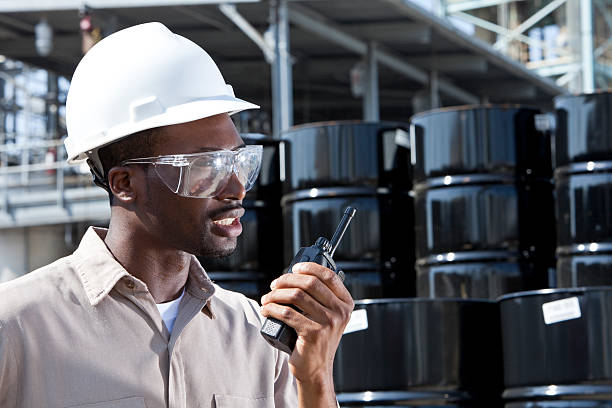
(163, 269)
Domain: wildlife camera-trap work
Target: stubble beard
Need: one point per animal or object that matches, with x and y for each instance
(208, 249)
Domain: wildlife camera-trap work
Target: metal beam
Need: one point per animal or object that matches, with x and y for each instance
(507, 35)
(316, 23)
(531, 21)
(452, 63)
(586, 32)
(202, 18)
(456, 36)
(371, 110)
(10, 6)
(282, 80)
(474, 4)
(230, 11)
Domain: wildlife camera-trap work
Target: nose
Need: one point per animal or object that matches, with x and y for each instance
(234, 190)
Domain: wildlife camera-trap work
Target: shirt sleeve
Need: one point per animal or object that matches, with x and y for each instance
(285, 386)
(8, 371)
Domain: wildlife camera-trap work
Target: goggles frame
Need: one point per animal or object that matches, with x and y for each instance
(185, 161)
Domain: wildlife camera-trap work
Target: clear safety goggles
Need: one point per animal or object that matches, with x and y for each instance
(206, 174)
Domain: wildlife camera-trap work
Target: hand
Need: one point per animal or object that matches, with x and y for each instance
(326, 306)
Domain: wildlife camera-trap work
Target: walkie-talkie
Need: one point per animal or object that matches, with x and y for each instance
(277, 333)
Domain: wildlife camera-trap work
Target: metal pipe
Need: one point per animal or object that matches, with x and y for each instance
(371, 108)
(586, 32)
(282, 86)
(231, 12)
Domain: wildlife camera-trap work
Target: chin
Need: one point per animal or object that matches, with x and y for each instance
(220, 250)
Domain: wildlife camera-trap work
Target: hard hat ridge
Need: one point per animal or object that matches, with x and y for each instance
(141, 78)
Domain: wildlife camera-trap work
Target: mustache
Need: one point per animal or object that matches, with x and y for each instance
(225, 209)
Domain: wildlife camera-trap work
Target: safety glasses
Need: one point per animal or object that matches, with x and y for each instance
(205, 175)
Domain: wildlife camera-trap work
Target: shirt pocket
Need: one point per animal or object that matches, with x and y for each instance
(228, 401)
(131, 402)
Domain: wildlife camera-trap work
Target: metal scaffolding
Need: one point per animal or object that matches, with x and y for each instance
(37, 186)
(567, 40)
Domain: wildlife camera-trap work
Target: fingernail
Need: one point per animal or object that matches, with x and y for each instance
(273, 284)
(298, 267)
(263, 299)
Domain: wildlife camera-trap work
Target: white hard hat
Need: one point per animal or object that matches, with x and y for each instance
(140, 78)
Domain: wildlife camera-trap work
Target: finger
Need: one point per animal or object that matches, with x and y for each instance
(327, 276)
(287, 315)
(302, 300)
(309, 284)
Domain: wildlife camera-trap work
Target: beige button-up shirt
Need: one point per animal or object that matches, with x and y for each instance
(83, 332)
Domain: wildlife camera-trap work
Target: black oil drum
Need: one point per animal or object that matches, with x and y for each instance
(476, 274)
(584, 224)
(420, 352)
(272, 175)
(484, 212)
(584, 264)
(556, 344)
(584, 128)
(479, 140)
(379, 239)
(259, 249)
(482, 188)
(343, 154)
(561, 404)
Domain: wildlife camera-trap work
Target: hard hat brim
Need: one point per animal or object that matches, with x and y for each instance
(187, 112)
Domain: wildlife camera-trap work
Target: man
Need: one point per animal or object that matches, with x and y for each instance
(131, 319)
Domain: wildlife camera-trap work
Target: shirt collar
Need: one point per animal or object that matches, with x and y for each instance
(99, 271)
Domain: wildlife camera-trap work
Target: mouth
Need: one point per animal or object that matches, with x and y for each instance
(226, 222)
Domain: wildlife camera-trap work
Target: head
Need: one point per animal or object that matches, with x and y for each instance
(143, 203)
(130, 101)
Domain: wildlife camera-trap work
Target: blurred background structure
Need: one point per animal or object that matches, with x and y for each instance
(302, 60)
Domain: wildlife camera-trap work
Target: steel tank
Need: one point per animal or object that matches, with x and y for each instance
(561, 404)
(484, 209)
(420, 352)
(583, 185)
(331, 165)
(258, 257)
(556, 344)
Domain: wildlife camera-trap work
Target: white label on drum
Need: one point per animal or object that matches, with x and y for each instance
(561, 310)
(358, 321)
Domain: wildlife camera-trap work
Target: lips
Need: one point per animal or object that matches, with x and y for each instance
(226, 222)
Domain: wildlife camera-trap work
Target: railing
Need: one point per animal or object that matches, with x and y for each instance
(38, 187)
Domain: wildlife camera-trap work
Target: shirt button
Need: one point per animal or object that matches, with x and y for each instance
(129, 284)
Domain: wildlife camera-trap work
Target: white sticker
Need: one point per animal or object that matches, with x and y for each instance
(561, 310)
(358, 321)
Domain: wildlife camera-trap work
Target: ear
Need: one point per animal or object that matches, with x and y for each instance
(123, 184)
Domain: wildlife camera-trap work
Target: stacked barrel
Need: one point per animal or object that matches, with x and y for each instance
(556, 342)
(420, 352)
(484, 212)
(583, 182)
(333, 165)
(258, 258)
(556, 345)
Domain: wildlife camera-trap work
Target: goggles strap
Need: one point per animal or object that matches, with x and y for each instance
(98, 178)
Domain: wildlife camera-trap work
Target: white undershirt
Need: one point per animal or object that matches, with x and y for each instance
(169, 311)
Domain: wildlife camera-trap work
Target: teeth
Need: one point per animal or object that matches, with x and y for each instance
(225, 221)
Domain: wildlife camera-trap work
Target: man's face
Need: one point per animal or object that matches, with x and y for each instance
(202, 226)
